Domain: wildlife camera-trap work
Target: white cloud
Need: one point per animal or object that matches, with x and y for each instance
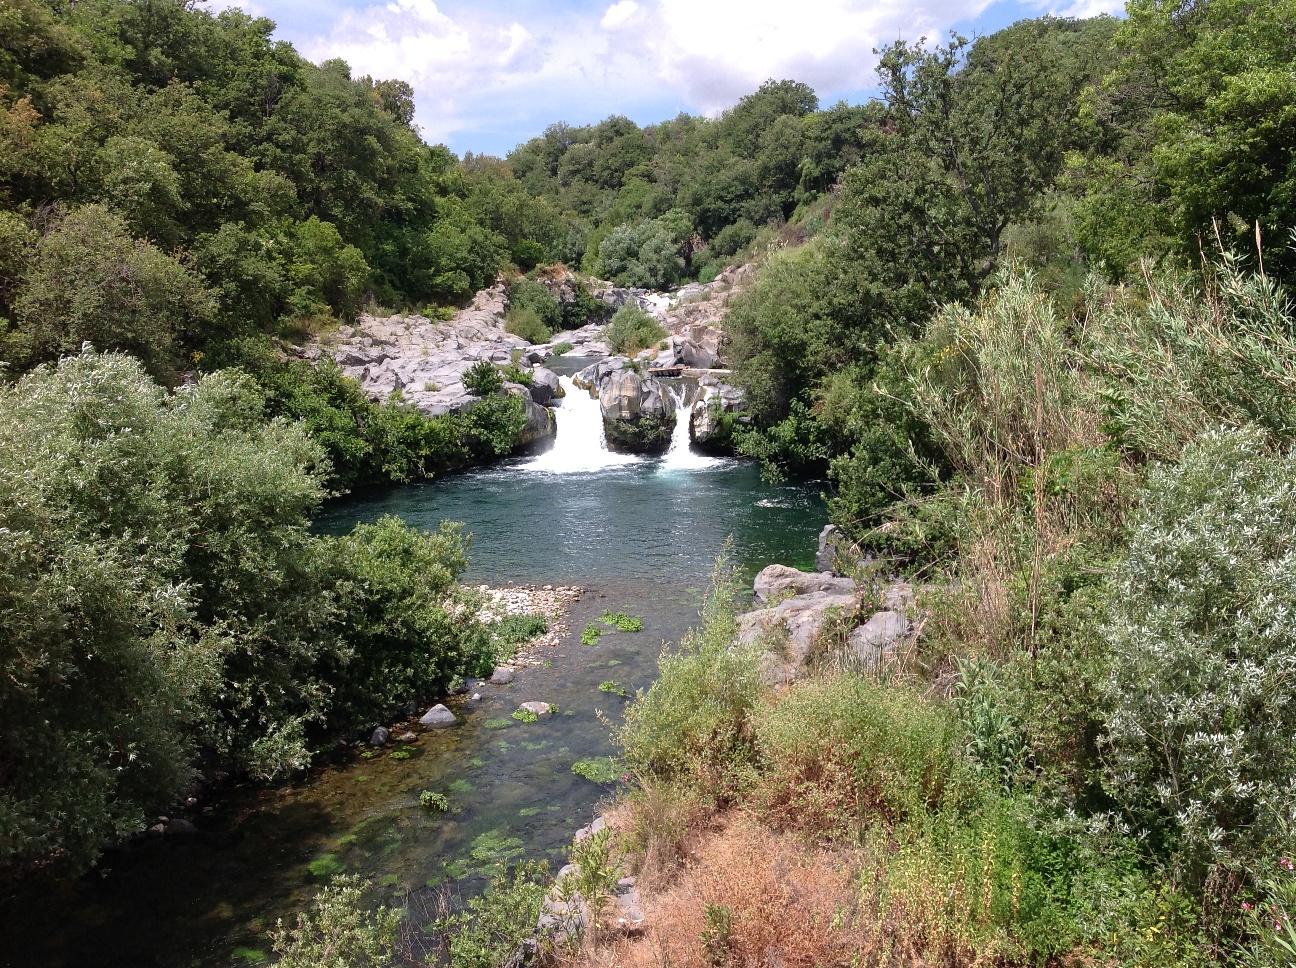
(619, 15)
(474, 68)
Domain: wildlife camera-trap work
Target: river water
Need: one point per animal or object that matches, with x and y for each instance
(640, 535)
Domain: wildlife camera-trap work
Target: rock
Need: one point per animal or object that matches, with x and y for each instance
(476, 697)
(541, 709)
(179, 827)
(502, 676)
(708, 426)
(379, 737)
(438, 717)
(157, 830)
(778, 581)
(544, 385)
(407, 737)
(826, 556)
(637, 415)
(590, 829)
(790, 630)
(881, 634)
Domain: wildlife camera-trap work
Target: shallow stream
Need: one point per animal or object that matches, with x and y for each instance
(640, 535)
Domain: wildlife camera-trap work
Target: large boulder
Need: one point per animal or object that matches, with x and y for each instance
(540, 425)
(878, 637)
(777, 582)
(712, 416)
(544, 385)
(637, 415)
(789, 632)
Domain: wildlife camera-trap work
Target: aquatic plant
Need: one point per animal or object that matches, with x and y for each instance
(621, 621)
(525, 716)
(612, 686)
(433, 801)
(325, 865)
(590, 635)
(460, 786)
(600, 770)
(402, 754)
(497, 724)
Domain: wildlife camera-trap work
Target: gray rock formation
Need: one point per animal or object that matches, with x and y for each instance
(438, 717)
(789, 632)
(379, 737)
(544, 385)
(637, 415)
(502, 676)
(708, 426)
(540, 709)
(780, 582)
(877, 637)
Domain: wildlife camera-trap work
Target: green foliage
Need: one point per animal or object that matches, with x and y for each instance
(582, 308)
(612, 686)
(621, 621)
(1198, 739)
(590, 634)
(88, 280)
(525, 716)
(483, 379)
(338, 931)
(596, 858)
(839, 753)
(562, 348)
(514, 630)
(535, 296)
(631, 330)
(429, 800)
(692, 725)
(497, 921)
(1269, 919)
(523, 321)
(643, 257)
(603, 770)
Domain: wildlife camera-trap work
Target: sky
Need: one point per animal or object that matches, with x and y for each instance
(488, 75)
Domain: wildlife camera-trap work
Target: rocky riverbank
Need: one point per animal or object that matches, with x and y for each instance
(425, 360)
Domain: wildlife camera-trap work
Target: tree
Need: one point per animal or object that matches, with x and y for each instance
(89, 281)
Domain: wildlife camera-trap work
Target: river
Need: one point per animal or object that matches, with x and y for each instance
(640, 535)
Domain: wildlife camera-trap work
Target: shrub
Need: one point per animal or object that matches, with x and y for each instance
(532, 295)
(338, 932)
(491, 428)
(839, 753)
(560, 348)
(691, 726)
(524, 323)
(515, 374)
(731, 238)
(496, 922)
(483, 379)
(513, 630)
(405, 614)
(582, 308)
(1203, 642)
(631, 330)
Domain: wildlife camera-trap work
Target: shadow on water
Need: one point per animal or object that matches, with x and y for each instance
(640, 537)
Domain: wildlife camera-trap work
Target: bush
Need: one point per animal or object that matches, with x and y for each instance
(1203, 642)
(582, 308)
(837, 754)
(560, 349)
(408, 626)
(525, 324)
(483, 379)
(497, 921)
(691, 726)
(338, 932)
(531, 294)
(732, 238)
(631, 330)
(643, 257)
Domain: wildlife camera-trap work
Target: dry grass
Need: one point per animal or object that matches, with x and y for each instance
(788, 906)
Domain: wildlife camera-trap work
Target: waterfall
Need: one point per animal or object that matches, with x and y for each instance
(580, 446)
(681, 455)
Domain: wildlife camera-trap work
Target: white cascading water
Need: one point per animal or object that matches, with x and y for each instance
(580, 446)
(681, 455)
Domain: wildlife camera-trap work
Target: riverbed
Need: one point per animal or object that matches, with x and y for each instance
(639, 535)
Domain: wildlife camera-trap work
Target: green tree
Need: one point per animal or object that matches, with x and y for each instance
(89, 281)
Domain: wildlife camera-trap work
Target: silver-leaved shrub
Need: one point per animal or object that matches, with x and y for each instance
(1201, 740)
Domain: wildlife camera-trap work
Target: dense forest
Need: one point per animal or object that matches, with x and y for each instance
(1027, 312)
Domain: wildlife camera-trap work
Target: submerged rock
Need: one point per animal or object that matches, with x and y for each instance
(541, 709)
(438, 717)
